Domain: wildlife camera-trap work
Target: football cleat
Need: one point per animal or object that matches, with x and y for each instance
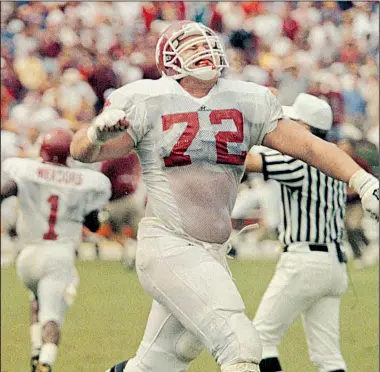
(43, 368)
(118, 367)
(33, 363)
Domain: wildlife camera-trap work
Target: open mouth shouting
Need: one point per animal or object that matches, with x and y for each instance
(205, 63)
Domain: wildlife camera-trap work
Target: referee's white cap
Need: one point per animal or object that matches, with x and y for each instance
(312, 110)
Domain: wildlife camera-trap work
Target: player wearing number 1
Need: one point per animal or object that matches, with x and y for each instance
(192, 130)
(54, 202)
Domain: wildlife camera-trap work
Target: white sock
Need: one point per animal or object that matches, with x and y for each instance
(36, 338)
(241, 367)
(48, 354)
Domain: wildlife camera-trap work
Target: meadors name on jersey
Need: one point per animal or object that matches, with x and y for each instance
(62, 176)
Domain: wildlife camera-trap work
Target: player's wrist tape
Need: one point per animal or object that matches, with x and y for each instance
(92, 136)
(361, 180)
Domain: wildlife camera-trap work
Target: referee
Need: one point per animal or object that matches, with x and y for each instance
(311, 275)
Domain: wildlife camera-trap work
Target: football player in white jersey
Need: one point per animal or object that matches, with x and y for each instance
(54, 202)
(192, 131)
(9, 148)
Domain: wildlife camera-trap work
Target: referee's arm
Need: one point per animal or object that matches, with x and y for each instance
(276, 166)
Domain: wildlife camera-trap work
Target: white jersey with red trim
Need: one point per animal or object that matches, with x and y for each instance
(53, 199)
(192, 150)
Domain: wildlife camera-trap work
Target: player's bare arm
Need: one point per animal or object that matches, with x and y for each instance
(9, 189)
(293, 139)
(84, 150)
(254, 163)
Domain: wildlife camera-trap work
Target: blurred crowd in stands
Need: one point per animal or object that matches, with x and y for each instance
(60, 60)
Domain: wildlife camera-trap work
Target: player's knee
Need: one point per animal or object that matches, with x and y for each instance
(188, 347)
(242, 342)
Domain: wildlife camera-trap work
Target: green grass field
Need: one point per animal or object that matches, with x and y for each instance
(107, 321)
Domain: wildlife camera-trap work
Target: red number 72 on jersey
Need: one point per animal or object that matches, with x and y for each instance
(177, 156)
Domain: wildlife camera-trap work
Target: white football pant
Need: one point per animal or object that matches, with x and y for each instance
(196, 304)
(309, 284)
(48, 271)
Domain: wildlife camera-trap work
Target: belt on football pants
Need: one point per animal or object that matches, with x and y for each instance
(324, 248)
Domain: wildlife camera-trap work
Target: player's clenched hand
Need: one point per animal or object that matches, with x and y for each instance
(109, 124)
(370, 201)
(367, 186)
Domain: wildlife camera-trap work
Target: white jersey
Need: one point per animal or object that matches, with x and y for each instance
(192, 150)
(53, 199)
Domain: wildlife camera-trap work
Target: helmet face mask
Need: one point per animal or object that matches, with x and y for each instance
(172, 53)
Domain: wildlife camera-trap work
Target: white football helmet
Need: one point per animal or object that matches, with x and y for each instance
(169, 61)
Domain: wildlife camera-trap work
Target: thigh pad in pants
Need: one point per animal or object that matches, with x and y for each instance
(166, 346)
(196, 287)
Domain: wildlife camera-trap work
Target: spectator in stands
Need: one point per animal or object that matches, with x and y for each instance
(354, 102)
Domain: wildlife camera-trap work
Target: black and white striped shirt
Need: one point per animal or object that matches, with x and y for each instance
(313, 204)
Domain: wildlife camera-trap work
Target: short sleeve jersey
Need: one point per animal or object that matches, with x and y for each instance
(53, 199)
(192, 150)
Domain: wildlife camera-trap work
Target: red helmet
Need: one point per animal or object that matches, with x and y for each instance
(55, 146)
(168, 51)
(124, 174)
